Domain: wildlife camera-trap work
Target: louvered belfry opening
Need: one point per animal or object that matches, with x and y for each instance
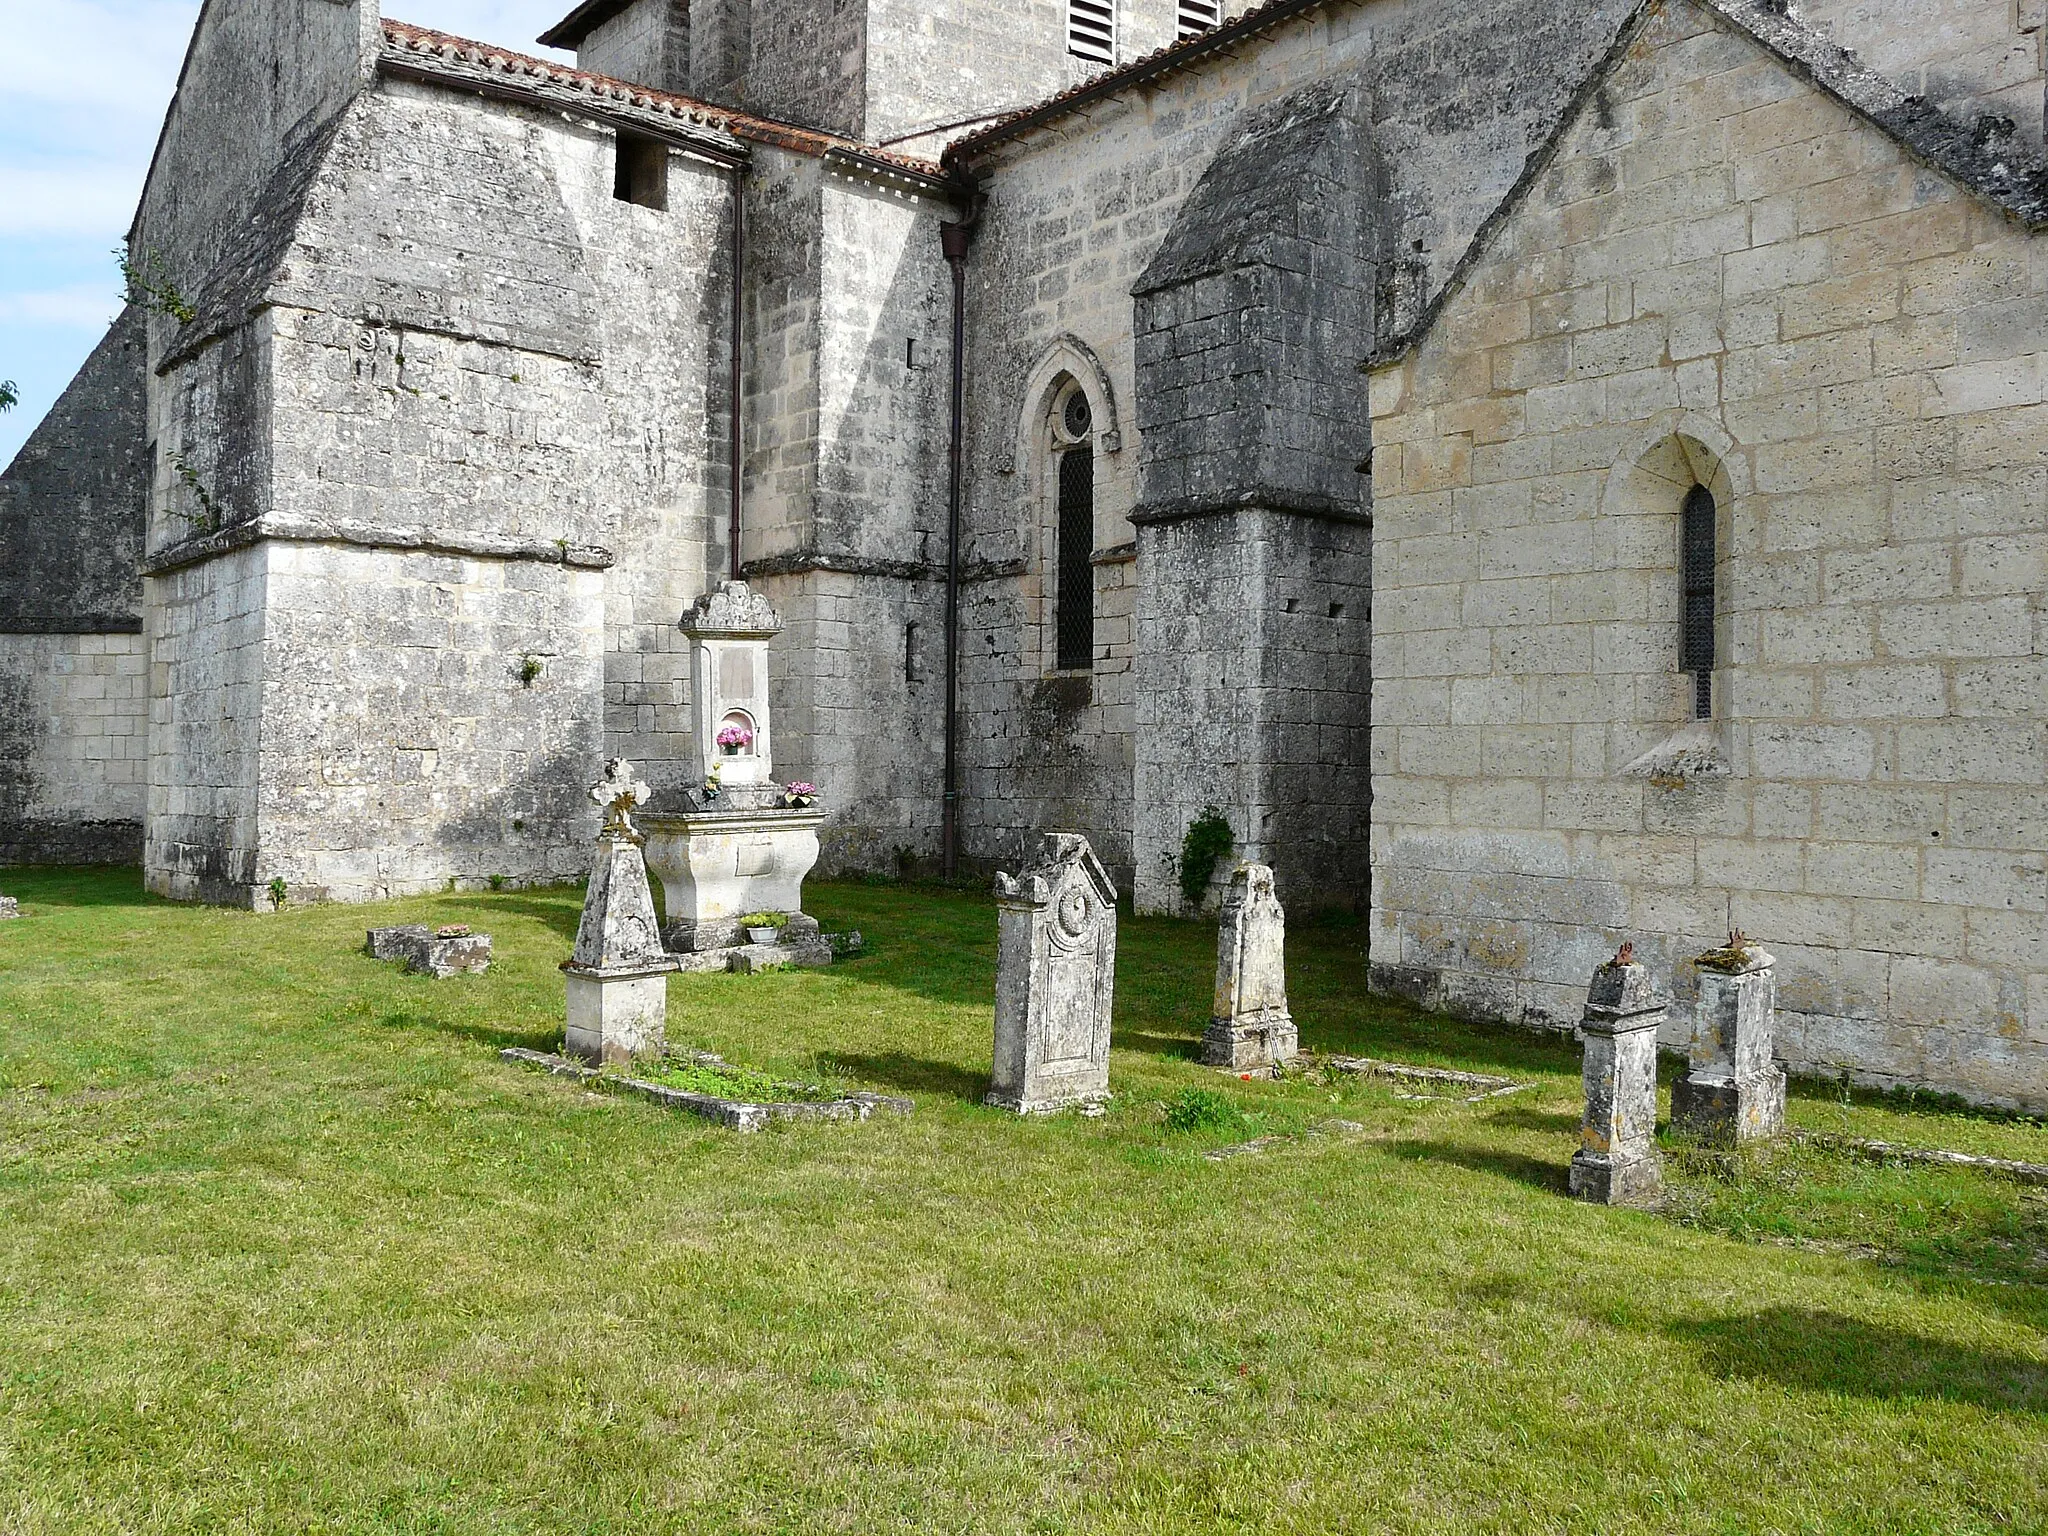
(1074, 606)
(1696, 570)
(1091, 30)
(1199, 16)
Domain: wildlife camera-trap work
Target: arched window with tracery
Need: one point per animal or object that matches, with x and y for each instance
(1074, 588)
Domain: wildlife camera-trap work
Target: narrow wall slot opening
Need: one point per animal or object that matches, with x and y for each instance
(640, 171)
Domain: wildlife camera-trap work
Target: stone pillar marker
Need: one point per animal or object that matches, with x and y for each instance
(1251, 1026)
(618, 976)
(1616, 1163)
(1055, 980)
(1732, 1091)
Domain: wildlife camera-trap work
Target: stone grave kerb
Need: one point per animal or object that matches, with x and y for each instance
(1055, 979)
(729, 629)
(1617, 1163)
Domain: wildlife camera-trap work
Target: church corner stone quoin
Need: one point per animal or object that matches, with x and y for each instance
(1553, 475)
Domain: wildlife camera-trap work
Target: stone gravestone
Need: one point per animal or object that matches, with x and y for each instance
(1616, 1163)
(1251, 1026)
(9, 907)
(1732, 1091)
(1055, 980)
(439, 953)
(618, 976)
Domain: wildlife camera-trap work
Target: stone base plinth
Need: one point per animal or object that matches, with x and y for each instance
(716, 867)
(616, 1017)
(1252, 1041)
(1047, 1096)
(428, 953)
(1605, 1180)
(1726, 1111)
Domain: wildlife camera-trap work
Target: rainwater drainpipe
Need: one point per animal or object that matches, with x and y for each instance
(739, 271)
(953, 238)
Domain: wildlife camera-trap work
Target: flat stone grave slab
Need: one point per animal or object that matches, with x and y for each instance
(436, 952)
(1471, 1087)
(734, 1114)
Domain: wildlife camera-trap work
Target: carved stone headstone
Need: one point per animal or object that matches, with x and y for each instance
(1616, 1163)
(1055, 980)
(1251, 1026)
(618, 976)
(9, 907)
(1733, 1091)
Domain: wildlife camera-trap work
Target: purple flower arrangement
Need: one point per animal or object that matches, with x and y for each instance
(799, 796)
(734, 737)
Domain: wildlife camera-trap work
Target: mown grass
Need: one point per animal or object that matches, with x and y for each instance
(284, 1247)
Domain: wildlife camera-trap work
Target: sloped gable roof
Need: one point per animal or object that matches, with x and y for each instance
(2010, 176)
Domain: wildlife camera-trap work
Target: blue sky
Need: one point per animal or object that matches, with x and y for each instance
(83, 87)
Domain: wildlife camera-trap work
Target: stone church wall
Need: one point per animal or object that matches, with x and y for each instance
(73, 721)
(1076, 213)
(1726, 278)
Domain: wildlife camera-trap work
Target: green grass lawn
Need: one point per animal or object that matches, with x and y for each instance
(285, 1247)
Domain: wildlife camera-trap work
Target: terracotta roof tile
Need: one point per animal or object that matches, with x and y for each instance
(459, 57)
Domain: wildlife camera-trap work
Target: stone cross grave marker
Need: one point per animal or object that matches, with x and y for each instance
(1616, 1163)
(1733, 1091)
(618, 976)
(1055, 980)
(1251, 1026)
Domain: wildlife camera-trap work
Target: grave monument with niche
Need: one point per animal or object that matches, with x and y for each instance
(1251, 1026)
(618, 976)
(745, 843)
(1055, 980)
(1616, 1163)
(1732, 1090)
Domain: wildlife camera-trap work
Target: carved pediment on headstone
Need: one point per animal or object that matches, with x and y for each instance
(732, 609)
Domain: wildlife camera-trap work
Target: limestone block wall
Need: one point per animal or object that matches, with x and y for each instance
(1076, 214)
(1969, 57)
(73, 726)
(400, 745)
(1726, 278)
(73, 748)
(205, 707)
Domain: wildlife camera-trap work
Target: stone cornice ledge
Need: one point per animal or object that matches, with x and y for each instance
(284, 528)
(72, 624)
(803, 561)
(1271, 498)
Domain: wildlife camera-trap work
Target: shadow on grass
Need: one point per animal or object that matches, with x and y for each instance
(561, 915)
(911, 1074)
(84, 885)
(1815, 1351)
(1173, 1047)
(1550, 1122)
(497, 1037)
(1553, 1178)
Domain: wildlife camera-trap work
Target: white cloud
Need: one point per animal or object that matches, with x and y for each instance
(85, 307)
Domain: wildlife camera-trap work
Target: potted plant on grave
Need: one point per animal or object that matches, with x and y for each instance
(799, 796)
(734, 737)
(764, 927)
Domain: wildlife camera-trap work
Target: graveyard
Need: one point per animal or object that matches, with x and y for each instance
(288, 1246)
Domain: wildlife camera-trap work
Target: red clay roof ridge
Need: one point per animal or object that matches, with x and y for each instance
(405, 40)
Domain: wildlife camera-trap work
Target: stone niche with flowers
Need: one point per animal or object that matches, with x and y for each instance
(744, 843)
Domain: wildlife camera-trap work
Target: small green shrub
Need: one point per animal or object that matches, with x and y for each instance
(1202, 1109)
(765, 920)
(1207, 843)
(497, 882)
(280, 892)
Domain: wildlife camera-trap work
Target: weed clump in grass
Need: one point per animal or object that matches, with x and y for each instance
(1203, 1109)
(741, 1084)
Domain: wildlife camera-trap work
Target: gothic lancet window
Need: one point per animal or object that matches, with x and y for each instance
(1074, 597)
(1696, 578)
